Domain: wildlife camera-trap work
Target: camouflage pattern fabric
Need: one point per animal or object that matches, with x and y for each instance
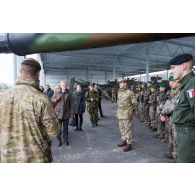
(92, 98)
(127, 102)
(125, 127)
(27, 119)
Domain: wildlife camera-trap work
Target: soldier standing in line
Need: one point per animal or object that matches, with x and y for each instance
(153, 106)
(161, 101)
(167, 112)
(126, 107)
(147, 94)
(92, 98)
(97, 88)
(27, 119)
(184, 113)
(142, 109)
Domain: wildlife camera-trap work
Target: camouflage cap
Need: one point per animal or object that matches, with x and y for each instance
(123, 81)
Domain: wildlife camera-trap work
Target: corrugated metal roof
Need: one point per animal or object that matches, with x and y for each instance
(129, 59)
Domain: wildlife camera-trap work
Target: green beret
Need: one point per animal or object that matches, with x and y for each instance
(154, 86)
(180, 59)
(162, 84)
(149, 82)
(171, 78)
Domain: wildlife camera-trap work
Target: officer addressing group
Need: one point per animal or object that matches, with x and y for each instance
(27, 119)
(184, 113)
(127, 103)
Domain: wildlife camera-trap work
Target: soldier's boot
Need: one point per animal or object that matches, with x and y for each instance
(122, 144)
(168, 155)
(128, 148)
(156, 135)
(77, 128)
(60, 142)
(154, 129)
(93, 125)
(162, 136)
(80, 126)
(65, 136)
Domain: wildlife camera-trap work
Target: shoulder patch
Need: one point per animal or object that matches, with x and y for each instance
(190, 93)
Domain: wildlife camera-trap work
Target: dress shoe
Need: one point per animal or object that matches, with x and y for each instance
(127, 148)
(77, 129)
(123, 143)
(67, 143)
(60, 143)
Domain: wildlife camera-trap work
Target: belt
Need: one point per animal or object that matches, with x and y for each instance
(185, 129)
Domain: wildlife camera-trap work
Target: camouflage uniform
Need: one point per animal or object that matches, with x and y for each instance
(173, 134)
(27, 119)
(114, 95)
(161, 124)
(92, 106)
(146, 95)
(126, 106)
(152, 109)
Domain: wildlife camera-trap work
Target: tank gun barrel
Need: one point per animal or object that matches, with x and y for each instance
(30, 43)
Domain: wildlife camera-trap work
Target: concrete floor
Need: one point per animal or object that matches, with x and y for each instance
(98, 144)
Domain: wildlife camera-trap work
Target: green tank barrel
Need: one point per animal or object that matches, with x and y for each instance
(30, 43)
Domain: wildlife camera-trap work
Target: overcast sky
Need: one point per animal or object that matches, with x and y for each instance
(6, 69)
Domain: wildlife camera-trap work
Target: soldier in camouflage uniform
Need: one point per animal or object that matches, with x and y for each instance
(152, 107)
(92, 98)
(126, 107)
(147, 94)
(161, 101)
(167, 111)
(27, 119)
(114, 94)
(141, 98)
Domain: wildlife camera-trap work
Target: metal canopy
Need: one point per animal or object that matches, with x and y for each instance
(126, 60)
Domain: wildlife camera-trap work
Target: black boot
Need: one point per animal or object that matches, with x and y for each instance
(60, 142)
(123, 143)
(128, 148)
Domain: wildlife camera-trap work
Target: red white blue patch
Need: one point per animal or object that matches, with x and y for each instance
(191, 93)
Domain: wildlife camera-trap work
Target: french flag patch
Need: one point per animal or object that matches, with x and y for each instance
(191, 93)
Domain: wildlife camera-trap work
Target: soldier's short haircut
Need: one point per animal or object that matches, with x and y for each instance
(30, 66)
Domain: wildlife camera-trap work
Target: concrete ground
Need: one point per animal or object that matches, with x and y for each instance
(98, 144)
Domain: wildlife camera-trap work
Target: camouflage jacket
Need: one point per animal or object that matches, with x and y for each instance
(27, 119)
(92, 98)
(127, 103)
(153, 100)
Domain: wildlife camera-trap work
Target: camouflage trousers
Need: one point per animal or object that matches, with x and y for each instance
(125, 127)
(174, 135)
(152, 115)
(93, 115)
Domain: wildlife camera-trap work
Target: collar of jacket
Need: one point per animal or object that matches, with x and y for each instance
(28, 81)
(185, 79)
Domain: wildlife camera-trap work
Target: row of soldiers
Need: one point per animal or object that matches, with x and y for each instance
(155, 106)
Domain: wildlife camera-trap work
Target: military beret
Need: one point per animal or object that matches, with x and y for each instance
(171, 78)
(163, 84)
(149, 82)
(180, 59)
(154, 86)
